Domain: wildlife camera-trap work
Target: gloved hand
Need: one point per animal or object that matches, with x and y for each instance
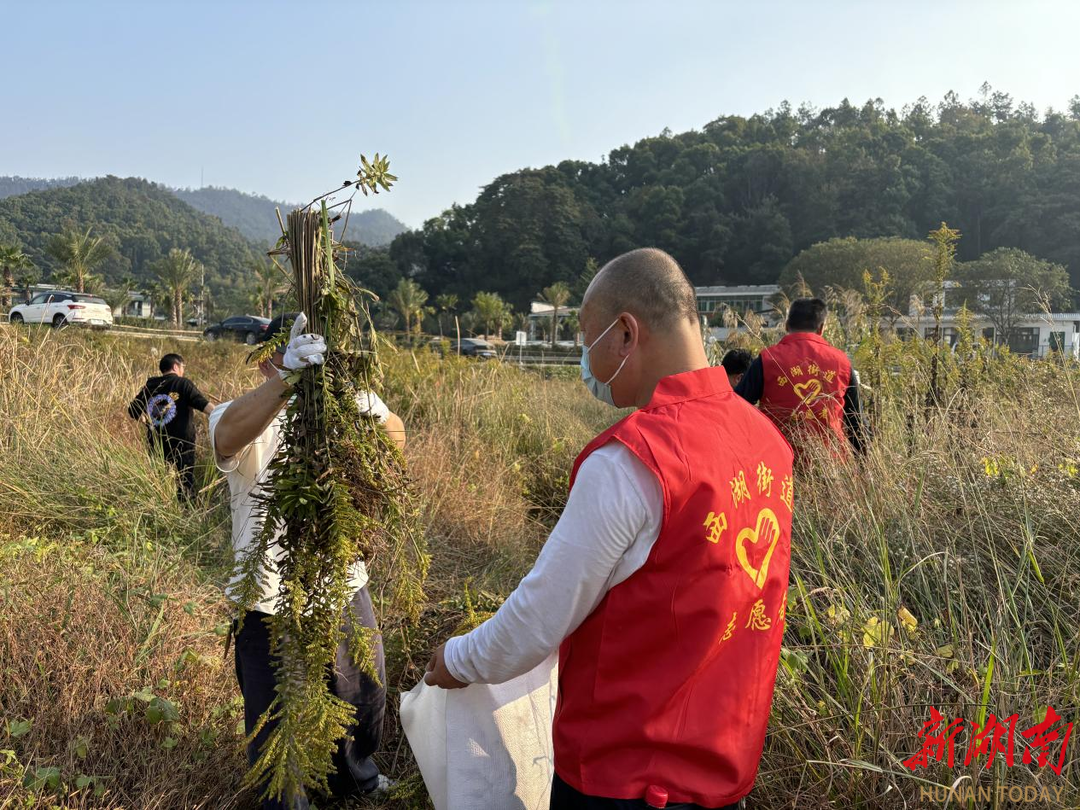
(304, 349)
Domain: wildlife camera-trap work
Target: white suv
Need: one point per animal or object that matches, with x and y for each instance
(61, 308)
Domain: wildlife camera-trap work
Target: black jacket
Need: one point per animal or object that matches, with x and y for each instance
(168, 402)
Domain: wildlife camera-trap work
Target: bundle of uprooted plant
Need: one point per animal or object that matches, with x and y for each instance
(337, 493)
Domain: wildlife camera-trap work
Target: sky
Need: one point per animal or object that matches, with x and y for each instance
(281, 98)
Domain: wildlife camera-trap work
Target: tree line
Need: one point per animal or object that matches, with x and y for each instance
(800, 197)
(178, 276)
(735, 202)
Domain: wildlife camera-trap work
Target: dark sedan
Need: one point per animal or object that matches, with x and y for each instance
(473, 347)
(248, 329)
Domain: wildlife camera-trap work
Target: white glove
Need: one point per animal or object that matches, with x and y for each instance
(304, 349)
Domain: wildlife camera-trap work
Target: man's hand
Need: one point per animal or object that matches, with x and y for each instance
(303, 350)
(438, 675)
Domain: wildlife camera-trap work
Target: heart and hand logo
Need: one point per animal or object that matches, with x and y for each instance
(765, 534)
(808, 391)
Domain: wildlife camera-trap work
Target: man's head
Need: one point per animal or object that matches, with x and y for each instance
(807, 315)
(640, 323)
(172, 364)
(735, 363)
(269, 367)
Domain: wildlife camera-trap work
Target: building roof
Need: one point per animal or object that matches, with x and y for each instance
(739, 289)
(1032, 317)
(538, 308)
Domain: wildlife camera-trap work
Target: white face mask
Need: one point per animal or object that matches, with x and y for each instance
(600, 390)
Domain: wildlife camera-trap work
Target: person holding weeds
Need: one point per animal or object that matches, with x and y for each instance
(245, 434)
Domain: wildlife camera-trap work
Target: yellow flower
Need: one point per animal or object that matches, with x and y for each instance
(872, 632)
(909, 622)
(837, 615)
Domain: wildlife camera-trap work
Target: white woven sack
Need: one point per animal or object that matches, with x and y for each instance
(485, 747)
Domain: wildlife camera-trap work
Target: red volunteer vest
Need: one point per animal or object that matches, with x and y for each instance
(804, 386)
(670, 680)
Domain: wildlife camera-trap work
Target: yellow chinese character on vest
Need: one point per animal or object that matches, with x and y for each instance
(764, 479)
(758, 620)
(714, 526)
(739, 491)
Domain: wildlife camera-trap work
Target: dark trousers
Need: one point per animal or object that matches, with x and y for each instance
(180, 455)
(564, 797)
(354, 772)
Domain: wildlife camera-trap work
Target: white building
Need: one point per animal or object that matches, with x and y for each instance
(1033, 336)
(742, 298)
(540, 318)
(138, 305)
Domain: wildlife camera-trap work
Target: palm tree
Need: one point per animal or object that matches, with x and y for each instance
(557, 296)
(507, 319)
(78, 254)
(448, 303)
(408, 300)
(12, 260)
(490, 311)
(176, 273)
(468, 323)
(269, 283)
(521, 322)
(573, 323)
(117, 297)
(586, 277)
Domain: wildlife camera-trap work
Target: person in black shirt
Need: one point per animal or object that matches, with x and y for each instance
(166, 405)
(735, 363)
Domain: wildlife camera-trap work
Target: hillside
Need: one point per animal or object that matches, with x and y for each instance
(253, 215)
(141, 220)
(13, 186)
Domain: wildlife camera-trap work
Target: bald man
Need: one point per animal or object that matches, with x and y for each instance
(664, 583)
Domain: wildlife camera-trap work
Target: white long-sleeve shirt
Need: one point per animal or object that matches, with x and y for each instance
(247, 474)
(607, 530)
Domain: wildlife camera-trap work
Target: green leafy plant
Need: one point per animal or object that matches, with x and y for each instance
(12, 261)
(337, 493)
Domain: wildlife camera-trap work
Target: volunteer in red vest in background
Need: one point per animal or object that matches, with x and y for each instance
(806, 386)
(664, 583)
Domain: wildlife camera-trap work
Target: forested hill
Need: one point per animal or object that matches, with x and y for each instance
(253, 215)
(735, 201)
(12, 186)
(141, 221)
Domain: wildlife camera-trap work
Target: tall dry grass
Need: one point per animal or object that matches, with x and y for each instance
(101, 566)
(941, 570)
(114, 689)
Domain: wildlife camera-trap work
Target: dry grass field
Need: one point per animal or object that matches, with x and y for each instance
(943, 570)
